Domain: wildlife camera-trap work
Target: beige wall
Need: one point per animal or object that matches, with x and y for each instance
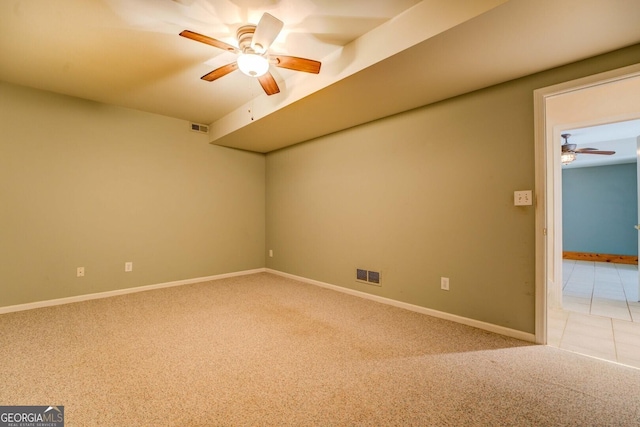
(86, 184)
(420, 195)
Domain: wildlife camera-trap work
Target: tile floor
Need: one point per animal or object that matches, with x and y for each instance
(601, 312)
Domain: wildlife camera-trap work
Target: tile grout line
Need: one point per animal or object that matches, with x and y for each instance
(624, 291)
(564, 329)
(593, 291)
(615, 343)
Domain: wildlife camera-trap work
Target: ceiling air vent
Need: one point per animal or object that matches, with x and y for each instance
(196, 127)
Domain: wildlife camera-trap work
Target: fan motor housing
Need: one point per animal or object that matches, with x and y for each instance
(244, 36)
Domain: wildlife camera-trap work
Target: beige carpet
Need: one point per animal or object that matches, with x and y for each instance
(264, 350)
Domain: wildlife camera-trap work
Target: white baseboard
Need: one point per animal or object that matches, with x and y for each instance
(435, 313)
(107, 294)
(525, 336)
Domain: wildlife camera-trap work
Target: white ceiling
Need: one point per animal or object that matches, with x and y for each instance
(379, 57)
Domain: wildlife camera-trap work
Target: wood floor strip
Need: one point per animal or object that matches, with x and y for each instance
(587, 256)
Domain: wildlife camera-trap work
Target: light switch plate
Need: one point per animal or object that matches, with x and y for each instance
(522, 198)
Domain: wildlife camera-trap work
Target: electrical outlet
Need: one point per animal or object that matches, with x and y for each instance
(444, 283)
(80, 272)
(270, 253)
(128, 266)
(522, 198)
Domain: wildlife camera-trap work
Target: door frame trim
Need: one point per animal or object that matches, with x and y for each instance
(548, 219)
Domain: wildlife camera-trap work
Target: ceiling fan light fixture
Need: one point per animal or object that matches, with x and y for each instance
(567, 157)
(252, 49)
(252, 64)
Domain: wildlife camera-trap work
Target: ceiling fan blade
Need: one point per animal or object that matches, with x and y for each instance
(608, 153)
(586, 149)
(220, 72)
(269, 84)
(209, 40)
(297, 64)
(266, 32)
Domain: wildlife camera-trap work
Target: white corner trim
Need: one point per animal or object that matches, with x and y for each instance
(107, 294)
(525, 336)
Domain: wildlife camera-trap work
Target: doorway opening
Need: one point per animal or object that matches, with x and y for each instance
(596, 100)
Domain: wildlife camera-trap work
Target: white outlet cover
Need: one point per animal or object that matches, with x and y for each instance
(522, 198)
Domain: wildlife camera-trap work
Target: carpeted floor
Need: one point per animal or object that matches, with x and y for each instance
(265, 350)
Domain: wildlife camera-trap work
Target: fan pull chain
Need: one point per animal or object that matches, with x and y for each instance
(251, 106)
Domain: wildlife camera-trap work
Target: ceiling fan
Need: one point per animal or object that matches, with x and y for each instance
(570, 151)
(254, 58)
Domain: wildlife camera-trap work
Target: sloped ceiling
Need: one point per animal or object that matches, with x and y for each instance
(378, 58)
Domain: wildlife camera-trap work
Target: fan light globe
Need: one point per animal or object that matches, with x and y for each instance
(567, 157)
(253, 65)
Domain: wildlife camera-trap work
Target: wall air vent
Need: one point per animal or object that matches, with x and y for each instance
(373, 277)
(196, 127)
(368, 276)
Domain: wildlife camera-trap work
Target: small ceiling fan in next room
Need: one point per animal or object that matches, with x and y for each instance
(570, 151)
(254, 58)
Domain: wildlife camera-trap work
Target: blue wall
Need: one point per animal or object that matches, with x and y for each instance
(600, 209)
